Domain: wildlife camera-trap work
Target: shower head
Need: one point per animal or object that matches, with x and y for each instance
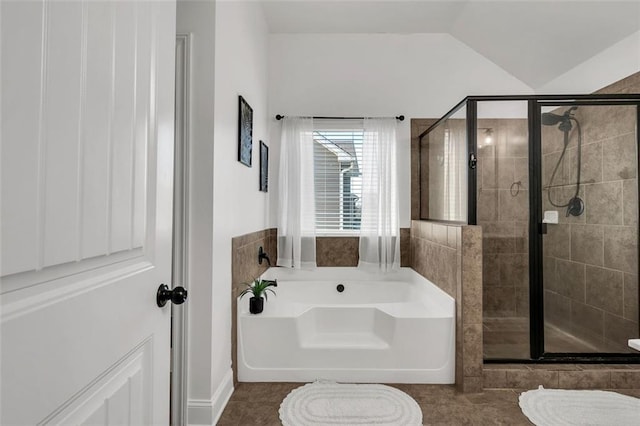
(551, 119)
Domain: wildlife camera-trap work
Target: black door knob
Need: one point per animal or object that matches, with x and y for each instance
(178, 295)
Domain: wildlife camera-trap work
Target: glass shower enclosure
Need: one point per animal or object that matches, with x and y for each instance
(552, 181)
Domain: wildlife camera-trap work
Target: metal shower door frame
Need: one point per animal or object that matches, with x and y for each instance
(536, 227)
(536, 283)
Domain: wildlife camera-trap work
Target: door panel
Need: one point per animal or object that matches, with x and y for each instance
(87, 144)
(59, 135)
(20, 119)
(122, 158)
(590, 247)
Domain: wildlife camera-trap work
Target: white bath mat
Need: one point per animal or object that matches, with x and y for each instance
(324, 404)
(557, 407)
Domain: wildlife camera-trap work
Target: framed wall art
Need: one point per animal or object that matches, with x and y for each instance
(245, 132)
(264, 167)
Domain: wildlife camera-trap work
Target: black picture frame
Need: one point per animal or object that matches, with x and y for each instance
(245, 132)
(264, 167)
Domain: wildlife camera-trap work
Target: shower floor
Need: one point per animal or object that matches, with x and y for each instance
(508, 338)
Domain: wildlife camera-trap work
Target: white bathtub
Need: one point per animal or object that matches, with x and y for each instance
(391, 328)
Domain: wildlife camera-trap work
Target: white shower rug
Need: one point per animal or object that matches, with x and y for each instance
(557, 407)
(323, 404)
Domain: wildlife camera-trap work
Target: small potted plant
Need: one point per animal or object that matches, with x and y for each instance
(258, 288)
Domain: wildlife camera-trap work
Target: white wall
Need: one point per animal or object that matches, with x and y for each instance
(613, 64)
(197, 18)
(239, 207)
(229, 55)
(420, 76)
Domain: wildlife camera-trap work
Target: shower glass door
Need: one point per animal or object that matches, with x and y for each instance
(589, 203)
(502, 193)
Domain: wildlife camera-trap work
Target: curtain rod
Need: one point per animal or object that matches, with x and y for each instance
(398, 117)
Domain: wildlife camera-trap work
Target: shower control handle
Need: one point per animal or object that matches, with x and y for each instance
(473, 161)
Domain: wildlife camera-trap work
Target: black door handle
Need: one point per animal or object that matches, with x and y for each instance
(543, 228)
(178, 295)
(473, 161)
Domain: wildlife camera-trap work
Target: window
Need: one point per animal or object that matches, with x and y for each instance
(337, 156)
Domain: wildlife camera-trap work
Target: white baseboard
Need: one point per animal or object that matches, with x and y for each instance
(199, 412)
(208, 412)
(221, 396)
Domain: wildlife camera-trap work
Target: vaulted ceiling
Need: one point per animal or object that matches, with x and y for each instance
(535, 41)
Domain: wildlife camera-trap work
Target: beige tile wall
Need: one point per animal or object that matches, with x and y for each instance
(337, 251)
(434, 252)
(591, 261)
(450, 256)
(562, 376)
(343, 251)
(430, 255)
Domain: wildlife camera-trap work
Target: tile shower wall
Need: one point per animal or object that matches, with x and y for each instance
(503, 214)
(591, 261)
(450, 256)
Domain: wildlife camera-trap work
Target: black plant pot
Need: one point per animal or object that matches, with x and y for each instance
(256, 305)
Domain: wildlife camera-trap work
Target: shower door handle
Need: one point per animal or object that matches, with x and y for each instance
(542, 228)
(473, 161)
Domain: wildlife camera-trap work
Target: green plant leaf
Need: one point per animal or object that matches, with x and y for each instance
(258, 288)
(265, 292)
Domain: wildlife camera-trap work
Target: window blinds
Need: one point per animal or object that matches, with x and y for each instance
(338, 180)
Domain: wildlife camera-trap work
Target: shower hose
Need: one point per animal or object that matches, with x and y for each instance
(555, 169)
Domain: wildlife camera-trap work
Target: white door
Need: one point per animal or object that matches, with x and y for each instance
(86, 192)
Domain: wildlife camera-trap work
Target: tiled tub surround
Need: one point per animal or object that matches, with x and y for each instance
(591, 261)
(245, 248)
(450, 256)
(503, 214)
(330, 251)
(343, 251)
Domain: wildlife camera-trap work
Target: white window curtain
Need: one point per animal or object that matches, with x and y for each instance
(379, 229)
(455, 171)
(296, 213)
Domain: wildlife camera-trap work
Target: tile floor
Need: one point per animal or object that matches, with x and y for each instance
(258, 403)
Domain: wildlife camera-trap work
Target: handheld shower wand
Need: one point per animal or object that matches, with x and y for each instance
(575, 205)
